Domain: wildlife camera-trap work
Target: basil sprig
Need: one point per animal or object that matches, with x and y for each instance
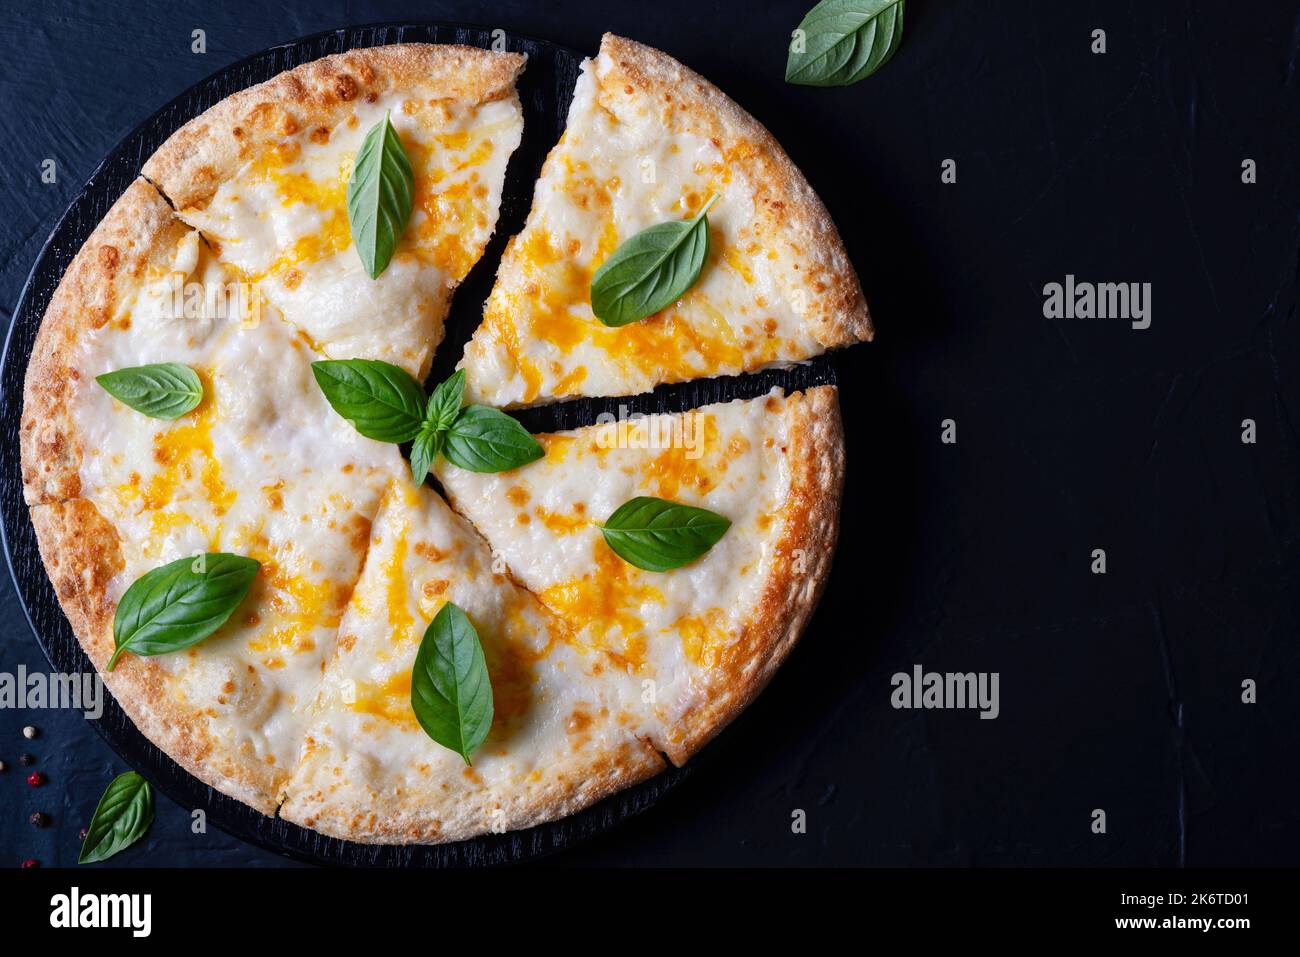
(843, 41)
(486, 440)
(163, 390)
(380, 196)
(451, 693)
(180, 604)
(652, 270)
(383, 402)
(659, 535)
(122, 816)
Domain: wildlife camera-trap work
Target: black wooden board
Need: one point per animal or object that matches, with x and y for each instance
(545, 90)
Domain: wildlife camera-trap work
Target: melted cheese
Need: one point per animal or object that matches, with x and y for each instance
(282, 223)
(616, 172)
(674, 627)
(263, 467)
(364, 745)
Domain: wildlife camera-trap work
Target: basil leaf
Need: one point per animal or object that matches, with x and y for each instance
(485, 440)
(844, 41)
(445, 402)
(381, 400)
(652, 270)
(659, 535)
(424, 450)
(451, 693)
(380, 196)
(122, 816)
(165, 390)
(180, 604)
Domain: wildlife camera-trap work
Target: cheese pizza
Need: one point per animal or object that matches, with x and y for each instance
(264, 175)
(650, 142)
(703, 639)
(116, 493)
(559, 738)
(220, 392)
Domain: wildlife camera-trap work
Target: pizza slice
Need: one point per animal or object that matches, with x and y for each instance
(265, 176)
(558, 741)
(260, 467)
(650, 144)
(697, 642)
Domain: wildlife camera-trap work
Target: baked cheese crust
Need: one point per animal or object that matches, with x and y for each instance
(559, 740)
(601, 673)
(244, 472)
(708, 636)
(264, 175)
(648, 141)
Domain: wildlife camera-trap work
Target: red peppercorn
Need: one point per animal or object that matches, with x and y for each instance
(38, 819)
(30, 863)
(81, 835)
(36, 779)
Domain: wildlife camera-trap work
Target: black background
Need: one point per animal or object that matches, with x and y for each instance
(1119, 691)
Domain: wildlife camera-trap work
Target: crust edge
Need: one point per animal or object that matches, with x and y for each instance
(789, 598)
(843, 317)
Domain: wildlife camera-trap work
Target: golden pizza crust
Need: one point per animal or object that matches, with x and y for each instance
(138, 232)
(80, 548)
(211, 148)
(809, 527)
(341, 805)
(81, 554)
(689, 103)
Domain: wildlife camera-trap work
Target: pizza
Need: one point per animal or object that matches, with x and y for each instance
(649, 141)
(264, 176)
(702, 640)
(225, 383)
(560, 738)
(115, 493)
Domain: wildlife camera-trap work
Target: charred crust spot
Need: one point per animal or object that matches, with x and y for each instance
(109, 258)
(372, 96)
(320, 135)
(288, 125)
(345, 88)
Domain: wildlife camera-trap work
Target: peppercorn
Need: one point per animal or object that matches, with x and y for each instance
(30, 863)
(2, 765)
(26, 760)
(38, 819)
(29, 732)
(81, 835)
(36, 779)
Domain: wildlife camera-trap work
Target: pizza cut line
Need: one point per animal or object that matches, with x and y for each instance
(305, 701)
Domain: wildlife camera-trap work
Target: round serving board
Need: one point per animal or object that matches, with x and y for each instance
(545, 90)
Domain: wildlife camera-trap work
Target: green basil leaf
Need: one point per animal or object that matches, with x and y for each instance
(165, 390)
(451, 693)
(122, 816)
(843, 41)
(381, 400)
(659, 535)
(485, 440)
(424, 450)
(380, 196)
(180, 604)
(445, 402)
(652, 270)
